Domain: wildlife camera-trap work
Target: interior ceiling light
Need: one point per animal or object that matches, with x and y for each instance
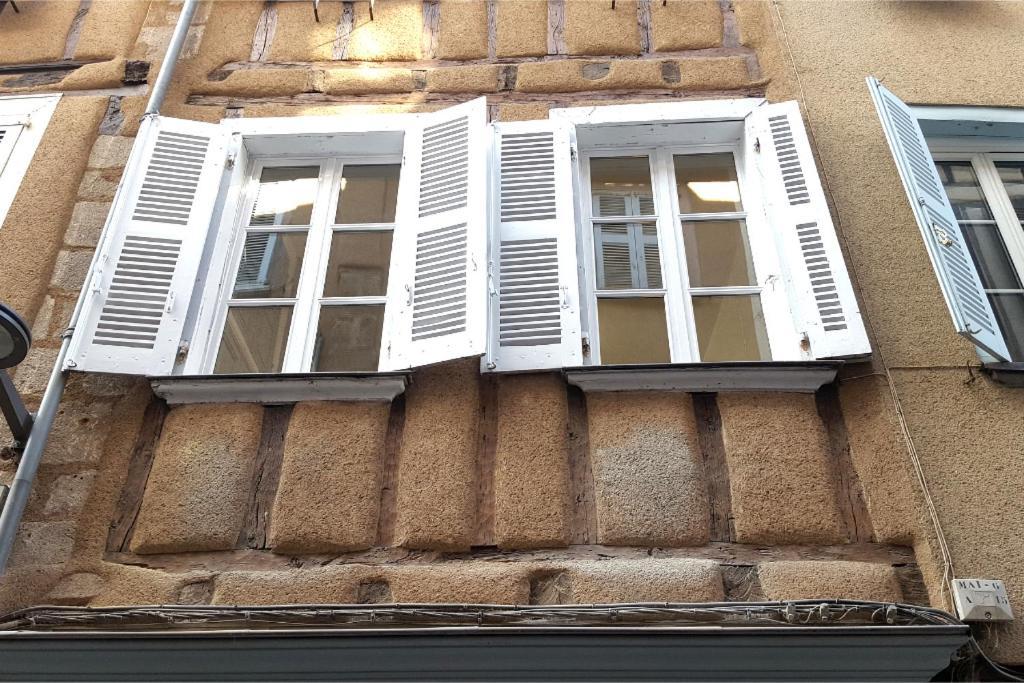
(715, 191)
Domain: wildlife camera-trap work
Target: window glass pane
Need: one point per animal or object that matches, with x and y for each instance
(270, 265)
(986, 245)
(348, 338)
(285, 195)
(368, 194)
(963, 189)
(621, 186)
(627, 256)
(706, 183)
(633, 330)
(730, 328)
(1009, 310)
(254, 339)
(358, 264)
(1012, 174)
(718, 253)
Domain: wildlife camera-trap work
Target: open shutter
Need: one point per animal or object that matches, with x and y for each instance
(146, 268)
(534, 288)
(958, 276)
(820, 292)
(437, 292)
(8, 136)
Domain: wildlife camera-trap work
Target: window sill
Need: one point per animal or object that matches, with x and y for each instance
(1007, 374)
(280, 388)
(793, 376)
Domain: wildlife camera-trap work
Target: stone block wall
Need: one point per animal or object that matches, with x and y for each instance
(467, 488)
(415, 55)
(508, 489)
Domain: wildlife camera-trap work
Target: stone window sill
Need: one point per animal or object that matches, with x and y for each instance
(792, 376)
(280, 388)
(1007, 374)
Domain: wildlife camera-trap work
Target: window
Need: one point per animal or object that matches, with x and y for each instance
(637, 204)
(967, 206)
(23, 120)
(316, 255)
(293, 246)
(705, 237)
(656, 233)
(986, 192)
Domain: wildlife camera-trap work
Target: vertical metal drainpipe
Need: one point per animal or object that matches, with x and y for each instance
(17, 498)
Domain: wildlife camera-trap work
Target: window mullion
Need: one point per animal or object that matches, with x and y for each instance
(1002, 209)
(681, 331)
(304, 318)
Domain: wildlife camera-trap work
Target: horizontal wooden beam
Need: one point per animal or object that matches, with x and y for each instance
(682, 55)
(732, 554)
(555, 98)
(63, 65)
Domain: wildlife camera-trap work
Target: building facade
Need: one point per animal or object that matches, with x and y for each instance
(627, 302)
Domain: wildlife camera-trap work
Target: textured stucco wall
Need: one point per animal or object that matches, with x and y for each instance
(519, 477)
(967, 430)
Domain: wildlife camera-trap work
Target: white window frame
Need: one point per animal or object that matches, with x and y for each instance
(982, 154)
(24, 119)
(683, 341)
(308, 300)
(258, 142)
(676, 289)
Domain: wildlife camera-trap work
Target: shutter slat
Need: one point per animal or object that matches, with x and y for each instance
(958, 277)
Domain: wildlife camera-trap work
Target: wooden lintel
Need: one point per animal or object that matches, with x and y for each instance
(660, 56)
(62, 65)
(728, 554)
(558, 99)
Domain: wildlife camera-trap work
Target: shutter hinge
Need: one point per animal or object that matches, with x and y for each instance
(757, 145)
(943, 236)
(96, 285)
(572, 152)
(585, 344)
(229, 163)
(183, 347)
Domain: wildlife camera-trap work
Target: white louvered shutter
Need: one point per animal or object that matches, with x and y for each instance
(535, 290)
(821, 295)
(136, 303)
(8, 136)
(957, 274)
(437, 292)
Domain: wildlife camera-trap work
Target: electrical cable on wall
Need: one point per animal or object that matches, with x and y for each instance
(948, 572)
